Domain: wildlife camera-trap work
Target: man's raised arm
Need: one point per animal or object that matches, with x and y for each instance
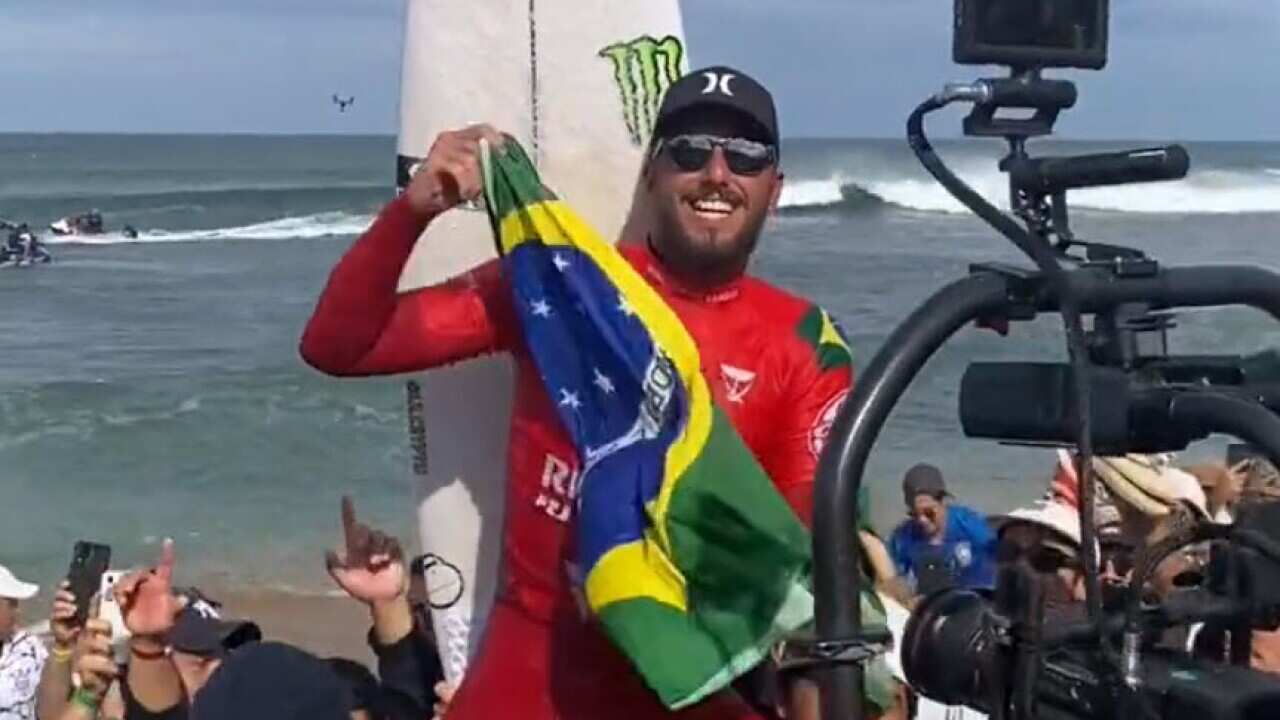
(361, 326)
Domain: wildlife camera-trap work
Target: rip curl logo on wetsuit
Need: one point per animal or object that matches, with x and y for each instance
(643, 69)
(821, 427)
(559, 491)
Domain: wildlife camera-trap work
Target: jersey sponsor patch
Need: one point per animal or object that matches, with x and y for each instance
(737, 382)
(821, 427)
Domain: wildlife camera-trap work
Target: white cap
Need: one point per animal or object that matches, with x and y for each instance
(1062, 519)
(12, 587)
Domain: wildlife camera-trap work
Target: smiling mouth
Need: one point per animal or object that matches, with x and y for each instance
(712, 207)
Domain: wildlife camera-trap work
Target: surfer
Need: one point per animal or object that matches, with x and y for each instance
(775, 364)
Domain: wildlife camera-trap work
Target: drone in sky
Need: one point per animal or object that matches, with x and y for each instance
(343, 103)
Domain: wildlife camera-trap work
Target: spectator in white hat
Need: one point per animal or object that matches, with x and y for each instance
(22, 655)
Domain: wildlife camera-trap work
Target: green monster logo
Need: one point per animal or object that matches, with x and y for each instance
(644, 68)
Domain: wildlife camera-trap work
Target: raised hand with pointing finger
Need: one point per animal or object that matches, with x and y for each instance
(371, 566)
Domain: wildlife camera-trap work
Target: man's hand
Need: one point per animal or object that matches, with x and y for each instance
(371, 568)
(444, 691)
(146, 597)
(96, 667)
(62, 619)
(450, 174)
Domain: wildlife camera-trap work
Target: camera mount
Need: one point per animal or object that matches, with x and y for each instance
(1151, 401)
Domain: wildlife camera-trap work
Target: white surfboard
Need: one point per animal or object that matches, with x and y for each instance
(578, 84)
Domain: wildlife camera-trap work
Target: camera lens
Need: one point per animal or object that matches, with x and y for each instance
(947, 647)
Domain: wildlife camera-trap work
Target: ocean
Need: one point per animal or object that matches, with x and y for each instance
(152, 388)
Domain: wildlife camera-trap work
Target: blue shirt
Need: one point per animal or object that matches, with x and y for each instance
(967, 554)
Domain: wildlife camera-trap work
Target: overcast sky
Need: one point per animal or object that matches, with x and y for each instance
(1179, 69)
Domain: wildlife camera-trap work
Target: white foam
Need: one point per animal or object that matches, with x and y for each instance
(319, 225)
(1207, 192)
(812, 193)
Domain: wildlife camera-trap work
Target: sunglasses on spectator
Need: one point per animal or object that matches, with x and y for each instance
(691, 153)
(1049, 560)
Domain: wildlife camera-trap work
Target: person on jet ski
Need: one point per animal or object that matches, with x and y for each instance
(91, 222)
(31, 251)
(12, 248)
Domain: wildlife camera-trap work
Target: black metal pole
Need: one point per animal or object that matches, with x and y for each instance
(1098, 288)
(1245, 419)
(837, 581)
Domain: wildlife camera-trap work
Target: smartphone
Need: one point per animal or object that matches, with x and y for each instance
(109, 610)
(1239, 452)
(89, 561)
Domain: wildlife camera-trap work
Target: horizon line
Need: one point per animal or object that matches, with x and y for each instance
(392, 136)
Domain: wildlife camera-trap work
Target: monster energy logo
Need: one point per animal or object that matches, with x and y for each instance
(644, 68)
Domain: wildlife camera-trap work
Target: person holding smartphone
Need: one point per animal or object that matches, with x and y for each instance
(22, 655)
(56, 682)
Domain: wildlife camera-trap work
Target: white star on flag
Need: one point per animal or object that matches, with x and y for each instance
(560, 261)
(603, 382)
(624, 307)
(569, 399)
(540, 308)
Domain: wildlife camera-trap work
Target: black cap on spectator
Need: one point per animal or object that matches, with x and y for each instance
(273, 681)
(200, 630)
(361, 683)
(923, 479)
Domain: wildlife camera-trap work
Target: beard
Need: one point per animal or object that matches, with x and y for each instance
(703, 253)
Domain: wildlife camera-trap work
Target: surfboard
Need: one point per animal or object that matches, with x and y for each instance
(578, 84)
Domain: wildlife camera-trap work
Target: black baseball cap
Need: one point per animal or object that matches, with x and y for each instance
(199, 629)
(273, 681)
(922, 479)
(720, 86)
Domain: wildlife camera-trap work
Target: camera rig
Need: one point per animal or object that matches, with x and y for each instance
(1120, 392)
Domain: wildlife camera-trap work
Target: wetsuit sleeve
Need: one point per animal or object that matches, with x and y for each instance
(362, 326)
(408, 670)
(817, 385)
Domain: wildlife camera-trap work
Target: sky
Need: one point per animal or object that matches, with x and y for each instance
(1179, 69)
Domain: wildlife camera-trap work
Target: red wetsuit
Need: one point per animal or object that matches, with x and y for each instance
(540, 658)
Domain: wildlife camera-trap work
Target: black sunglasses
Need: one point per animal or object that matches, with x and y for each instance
(1049, 560)
(691, 153)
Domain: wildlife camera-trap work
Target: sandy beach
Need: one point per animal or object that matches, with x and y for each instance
(328, 626)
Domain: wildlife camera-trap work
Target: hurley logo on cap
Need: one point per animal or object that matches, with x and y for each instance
(718, 82)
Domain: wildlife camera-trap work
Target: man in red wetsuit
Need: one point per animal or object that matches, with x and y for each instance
(775, 363)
